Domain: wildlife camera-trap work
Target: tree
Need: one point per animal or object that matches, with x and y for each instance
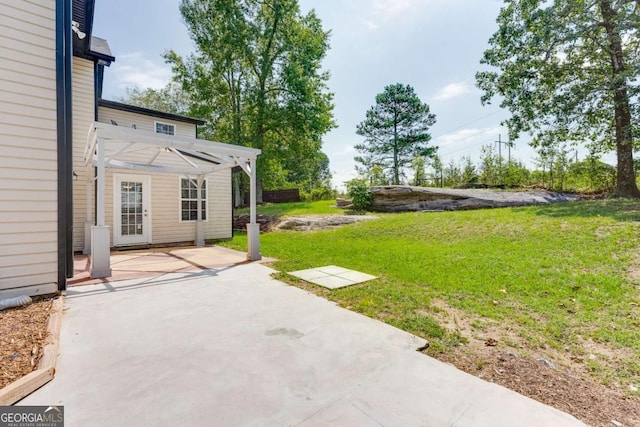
(395, 131)
(170, 98)
(256, 78)
(568, 71)
(418, 165)
(469, 172)
(437, 176)
(489, 165)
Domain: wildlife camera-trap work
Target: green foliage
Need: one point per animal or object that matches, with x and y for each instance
(171, 98)
(418, 164)
(438, 171)
(256, 78)
(469, 171)
(591, 175)
(515, 174)
(568, 71)
(321, 207)
(395, 131)
(359, 193)
(319, 193)
(490, 170)
(514, 267)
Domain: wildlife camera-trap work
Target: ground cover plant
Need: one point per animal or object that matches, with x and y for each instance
(559, 281)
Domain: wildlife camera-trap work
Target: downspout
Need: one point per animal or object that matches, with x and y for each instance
(64, 53)
(98, 77)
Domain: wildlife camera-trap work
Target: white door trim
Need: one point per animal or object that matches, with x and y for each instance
(145, 237)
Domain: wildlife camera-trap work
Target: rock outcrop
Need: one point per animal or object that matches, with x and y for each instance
(398, 198)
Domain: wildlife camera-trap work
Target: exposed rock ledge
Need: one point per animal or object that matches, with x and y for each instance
(320, 222)
(397, 198)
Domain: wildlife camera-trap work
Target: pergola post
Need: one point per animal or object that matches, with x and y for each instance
(100, 236)
(89, 220)
(253, 228)
(199, 221)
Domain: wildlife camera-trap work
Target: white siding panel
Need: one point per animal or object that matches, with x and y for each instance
(165, 208)
(83, 116)
(126, 119)
(28, 141)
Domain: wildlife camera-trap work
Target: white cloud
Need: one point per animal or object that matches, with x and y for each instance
(134, 69)
(452, 90)
(391, 8)
(370, 25)
(383, 12)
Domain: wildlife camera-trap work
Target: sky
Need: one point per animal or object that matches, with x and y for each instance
(433, 45)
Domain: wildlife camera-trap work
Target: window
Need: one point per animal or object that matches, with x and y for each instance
(189, 199)
(165, 128)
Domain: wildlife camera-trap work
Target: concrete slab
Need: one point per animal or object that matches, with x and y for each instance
(131, 264)
(332, 277)
(232, 346)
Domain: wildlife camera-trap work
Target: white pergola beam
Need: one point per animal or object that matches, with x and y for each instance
(118, 164)
(123, 134)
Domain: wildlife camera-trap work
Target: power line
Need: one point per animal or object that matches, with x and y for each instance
(466, 124)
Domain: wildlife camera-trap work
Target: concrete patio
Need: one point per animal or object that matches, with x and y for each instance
(132, 264)
(232, 346)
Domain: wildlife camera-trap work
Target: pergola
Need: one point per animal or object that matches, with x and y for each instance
(119, 147)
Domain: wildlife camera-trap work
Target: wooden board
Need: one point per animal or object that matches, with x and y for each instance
(52, 342)
(47, 365)
(25, 386)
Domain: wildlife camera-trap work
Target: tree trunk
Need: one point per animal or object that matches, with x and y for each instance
(396, 167)
(626, 185)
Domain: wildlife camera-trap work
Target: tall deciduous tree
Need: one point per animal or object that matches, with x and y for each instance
(256, 77)
(568, 70)
(395, 131)
(170, 98)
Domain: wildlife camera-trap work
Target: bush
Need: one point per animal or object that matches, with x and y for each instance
(359, 193)
(318, 193)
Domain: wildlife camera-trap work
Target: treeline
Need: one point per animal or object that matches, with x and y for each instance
(557, 170)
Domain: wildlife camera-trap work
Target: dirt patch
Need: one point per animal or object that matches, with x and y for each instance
(634, 271)
(299, 223)
(23, 331)
(267, 222)
(496, 353)
(592, 403)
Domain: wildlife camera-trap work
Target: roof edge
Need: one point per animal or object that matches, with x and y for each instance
(149, 112)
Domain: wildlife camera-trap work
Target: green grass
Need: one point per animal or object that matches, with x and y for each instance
(296, 208)
(556, 274)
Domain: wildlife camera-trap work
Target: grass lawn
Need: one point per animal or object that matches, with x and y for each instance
(297, 208)
(555, 277)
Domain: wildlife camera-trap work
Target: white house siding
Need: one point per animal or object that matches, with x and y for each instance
(28, 144)
(126, 119)
(165, 188)
(83, 116)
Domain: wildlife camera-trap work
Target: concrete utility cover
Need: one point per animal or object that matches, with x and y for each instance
(332, 277)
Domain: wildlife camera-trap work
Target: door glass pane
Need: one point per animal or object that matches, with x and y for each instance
(131, 208)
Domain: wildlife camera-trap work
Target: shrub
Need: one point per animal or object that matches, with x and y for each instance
(359, 193)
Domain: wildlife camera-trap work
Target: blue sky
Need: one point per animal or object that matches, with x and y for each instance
(433, 45)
